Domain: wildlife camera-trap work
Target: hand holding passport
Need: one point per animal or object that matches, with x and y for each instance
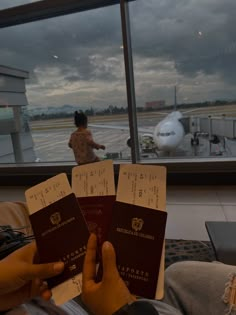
(61, 233)
(134, 223)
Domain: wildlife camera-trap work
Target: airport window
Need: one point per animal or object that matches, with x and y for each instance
(6, 113)
(54, 62)
(183, 56)
(67, 63)
(6, 4)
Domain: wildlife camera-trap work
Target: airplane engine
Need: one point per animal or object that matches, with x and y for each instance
(146, 143)
(128, 142)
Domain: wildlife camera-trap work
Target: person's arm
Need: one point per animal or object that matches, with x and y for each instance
(92, 143)
(110, 296)
(70, 143)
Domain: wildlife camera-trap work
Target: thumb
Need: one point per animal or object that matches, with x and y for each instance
(109, 262)
(43, 271)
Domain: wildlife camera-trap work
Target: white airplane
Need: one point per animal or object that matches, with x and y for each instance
(166, 136)
(169, 132)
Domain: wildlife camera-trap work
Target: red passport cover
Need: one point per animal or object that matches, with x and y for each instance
(61, 233)
(97, 211)
(137, 234)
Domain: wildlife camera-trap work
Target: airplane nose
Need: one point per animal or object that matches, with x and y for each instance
(168, 135)
(165, 145)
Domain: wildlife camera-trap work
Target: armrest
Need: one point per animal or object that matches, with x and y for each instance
(16, 215)
(222, 236)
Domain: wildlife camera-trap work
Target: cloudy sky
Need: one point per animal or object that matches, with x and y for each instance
(78, 59)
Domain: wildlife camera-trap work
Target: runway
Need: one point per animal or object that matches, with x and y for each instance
(51, 136)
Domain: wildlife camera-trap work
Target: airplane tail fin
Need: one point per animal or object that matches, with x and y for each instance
(175, 101)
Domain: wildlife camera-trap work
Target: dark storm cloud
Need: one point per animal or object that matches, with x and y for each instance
(66, 42)
(72, 78)
(197, 35)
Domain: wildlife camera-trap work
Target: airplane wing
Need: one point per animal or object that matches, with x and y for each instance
(107, 126)
(199, 109)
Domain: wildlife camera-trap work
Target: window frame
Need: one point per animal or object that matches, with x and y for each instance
(200, 172)
(180, 171)
(46, 9)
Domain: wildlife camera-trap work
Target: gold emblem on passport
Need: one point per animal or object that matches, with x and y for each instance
(137, 224)
(55, 218)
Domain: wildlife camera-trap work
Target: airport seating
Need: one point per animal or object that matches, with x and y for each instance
(222, 235)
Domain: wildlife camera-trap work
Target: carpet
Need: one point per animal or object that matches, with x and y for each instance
(181, 250)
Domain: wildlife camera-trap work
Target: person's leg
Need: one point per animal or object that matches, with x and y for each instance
(197, 288)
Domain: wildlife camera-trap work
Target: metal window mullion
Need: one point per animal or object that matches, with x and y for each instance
(46, 9)
(130, 88)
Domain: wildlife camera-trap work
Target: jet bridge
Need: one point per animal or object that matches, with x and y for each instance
(16, 143)
(219, 126)
(214, 129)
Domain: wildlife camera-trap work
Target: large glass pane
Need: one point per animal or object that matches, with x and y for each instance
(6, 4)
(184, 64)
(74, 62)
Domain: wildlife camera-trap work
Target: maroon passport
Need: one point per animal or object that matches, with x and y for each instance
(137, 234)
(61, 233)
(97, 211)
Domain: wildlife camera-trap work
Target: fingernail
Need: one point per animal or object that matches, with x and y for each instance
(58, 267)
(106, 245)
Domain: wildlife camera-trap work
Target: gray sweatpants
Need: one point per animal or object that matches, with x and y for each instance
(191, 288)
(201, 288)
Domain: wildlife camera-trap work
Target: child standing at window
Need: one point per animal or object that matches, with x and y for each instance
(81, 141)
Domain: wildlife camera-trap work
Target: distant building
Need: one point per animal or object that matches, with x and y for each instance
(155, 104)
(16, 143)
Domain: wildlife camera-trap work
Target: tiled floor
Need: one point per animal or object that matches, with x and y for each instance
(187, 221)
(188, 208)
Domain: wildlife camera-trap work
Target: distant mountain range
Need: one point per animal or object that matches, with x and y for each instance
(68, 109)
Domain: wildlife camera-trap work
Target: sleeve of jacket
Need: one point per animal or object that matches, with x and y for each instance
(137, 308)
(90, 140)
